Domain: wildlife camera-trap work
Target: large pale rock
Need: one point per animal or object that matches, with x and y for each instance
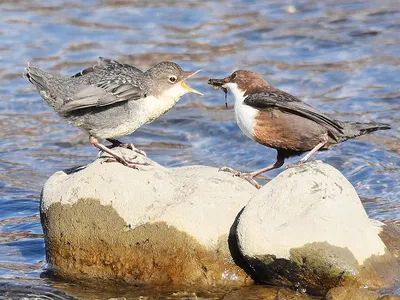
(154, 225)
(307, 226)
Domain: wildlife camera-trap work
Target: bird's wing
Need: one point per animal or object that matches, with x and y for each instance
(108, 65)
(105, 83)
(288, 103)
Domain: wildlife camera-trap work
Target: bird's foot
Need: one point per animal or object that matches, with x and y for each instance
(246, 176)
(229, 170)
(132, 147)
(130, 163)
(300, 162)
(129, 146)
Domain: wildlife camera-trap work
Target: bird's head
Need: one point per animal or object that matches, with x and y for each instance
(167, 80)
(240, 81)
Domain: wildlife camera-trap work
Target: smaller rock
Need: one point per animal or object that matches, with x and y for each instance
(307, 226)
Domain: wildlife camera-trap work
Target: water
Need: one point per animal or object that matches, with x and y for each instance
(340, 56)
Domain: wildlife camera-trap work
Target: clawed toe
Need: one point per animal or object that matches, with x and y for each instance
(125, 163)
(246, 176)
(229, 170)
(250, 178)
(132, 147)
(129, 146)
(128, 163)
(300, 162)
(141, 152)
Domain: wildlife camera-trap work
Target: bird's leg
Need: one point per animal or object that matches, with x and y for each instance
(250, 176)
(315, 149)
(116, 157)
(279, 163)
(309, 154)
(130, 146)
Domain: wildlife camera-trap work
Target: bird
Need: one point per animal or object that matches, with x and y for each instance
(279, 120)
(112, 99)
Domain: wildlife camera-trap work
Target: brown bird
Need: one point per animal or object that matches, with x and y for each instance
(281, 121)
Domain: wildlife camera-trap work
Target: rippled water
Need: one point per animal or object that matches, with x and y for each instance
(340, 56)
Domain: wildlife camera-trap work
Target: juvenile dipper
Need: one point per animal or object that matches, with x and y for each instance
(112, 99)
(281, 121)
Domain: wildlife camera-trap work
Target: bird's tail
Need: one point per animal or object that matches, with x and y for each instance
(37, 77)
(42, 81)
(354, 129)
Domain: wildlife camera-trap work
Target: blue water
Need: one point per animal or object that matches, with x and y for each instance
(340, 56)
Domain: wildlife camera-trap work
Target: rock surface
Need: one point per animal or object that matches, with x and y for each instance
(153, 225)
(390, 235)
(307, 226)
(351, 293)
(346, 293)
(258, 292)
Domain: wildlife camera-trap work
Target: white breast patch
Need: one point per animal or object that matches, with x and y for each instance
(245, 114)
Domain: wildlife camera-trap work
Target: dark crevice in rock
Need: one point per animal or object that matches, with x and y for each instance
(233, 245)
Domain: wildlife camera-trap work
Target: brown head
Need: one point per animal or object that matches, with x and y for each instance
(245, 81)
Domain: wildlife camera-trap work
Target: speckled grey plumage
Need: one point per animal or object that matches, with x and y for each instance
(110, 99)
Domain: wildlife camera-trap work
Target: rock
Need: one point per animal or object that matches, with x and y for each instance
(258, 292)
(390, 235)
(389, 297)
(308, 227)
(347, 293)
(154, 225)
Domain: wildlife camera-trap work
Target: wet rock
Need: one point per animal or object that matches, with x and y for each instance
(30, 290)
(154, 225)
(390, 234)
(389, 297)
(258, 292)
(308, 228)
(346, 293)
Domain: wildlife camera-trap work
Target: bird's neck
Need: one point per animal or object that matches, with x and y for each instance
(238, 93)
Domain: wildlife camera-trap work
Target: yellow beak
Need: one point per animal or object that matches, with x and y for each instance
(185, 86)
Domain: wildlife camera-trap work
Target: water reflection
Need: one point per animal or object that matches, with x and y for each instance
(339, 56)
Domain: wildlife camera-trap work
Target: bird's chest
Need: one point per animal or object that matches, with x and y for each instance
(152, 107)
(245, 118)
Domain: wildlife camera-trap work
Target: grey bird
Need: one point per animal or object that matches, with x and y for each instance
(112, 99)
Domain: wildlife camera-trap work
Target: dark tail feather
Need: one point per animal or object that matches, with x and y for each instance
(36, 76)
(43, 82)
(353, 129)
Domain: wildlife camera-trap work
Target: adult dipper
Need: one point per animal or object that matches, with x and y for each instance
(281, 121)
(112, 99)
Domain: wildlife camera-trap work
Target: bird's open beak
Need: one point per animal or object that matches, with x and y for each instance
(217, 82)
(185, 86)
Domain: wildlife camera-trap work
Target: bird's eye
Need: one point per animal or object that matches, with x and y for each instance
(172, 79)
(233, 76)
